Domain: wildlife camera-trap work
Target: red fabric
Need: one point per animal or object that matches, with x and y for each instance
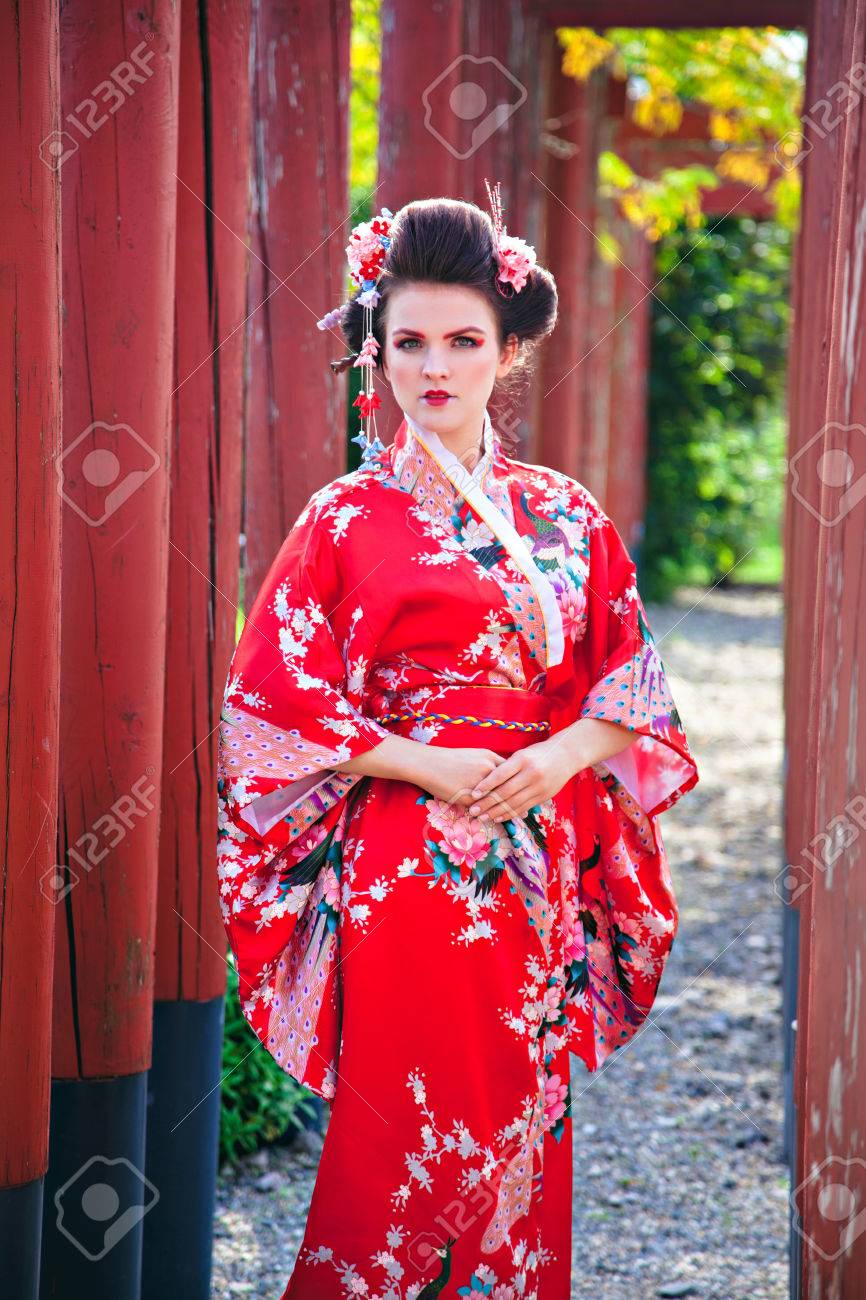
(425, 971)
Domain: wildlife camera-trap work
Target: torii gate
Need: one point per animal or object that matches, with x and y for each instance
(141, 279)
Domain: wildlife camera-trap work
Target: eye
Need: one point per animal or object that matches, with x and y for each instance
(460, 338)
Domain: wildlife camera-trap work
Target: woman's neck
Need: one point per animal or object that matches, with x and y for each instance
(466, 444)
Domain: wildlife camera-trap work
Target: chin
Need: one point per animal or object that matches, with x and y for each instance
(431, 412)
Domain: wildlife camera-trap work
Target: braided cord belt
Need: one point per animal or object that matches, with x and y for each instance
(408, 714)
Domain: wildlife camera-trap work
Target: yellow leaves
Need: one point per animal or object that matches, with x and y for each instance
(634, 209)
(784, 194)
(748, 166)
(657, 205)
(615, 171)
(722, 126)
(730, 127)
(609, 248)
(749, 80)
(660, 111)
(584, 51)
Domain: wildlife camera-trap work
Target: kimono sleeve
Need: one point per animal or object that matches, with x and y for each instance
(291, 713)
(629, 685)
(289, 716)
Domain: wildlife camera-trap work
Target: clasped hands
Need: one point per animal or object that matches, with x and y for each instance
(488, 784)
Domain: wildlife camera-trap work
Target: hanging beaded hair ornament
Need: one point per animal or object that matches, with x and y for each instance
(366, 252)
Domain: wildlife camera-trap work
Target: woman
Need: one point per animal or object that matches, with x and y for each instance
(446, 739)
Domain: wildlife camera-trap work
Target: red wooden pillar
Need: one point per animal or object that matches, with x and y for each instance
(506, 72)
(507, 79)
(119, 70)
(825, 795)
(807, 384)
(430, 89)
(296, 431)
(29, 617)
(807, 381)
(633, 278)
(598, 395)
(204, 561)
(470, 109)
(571, 127)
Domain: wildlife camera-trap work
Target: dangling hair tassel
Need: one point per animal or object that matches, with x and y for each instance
(366, 252)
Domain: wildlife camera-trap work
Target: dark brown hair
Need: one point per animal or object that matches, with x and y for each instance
(449, 241)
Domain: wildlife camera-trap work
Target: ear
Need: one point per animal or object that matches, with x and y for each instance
(507, 356)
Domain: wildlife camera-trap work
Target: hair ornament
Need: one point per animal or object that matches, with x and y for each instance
(516, 258)
(366, 251)
(332, 319)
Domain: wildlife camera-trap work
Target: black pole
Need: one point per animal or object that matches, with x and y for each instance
(183, 1113)
(96, 1193)
(20, 1233)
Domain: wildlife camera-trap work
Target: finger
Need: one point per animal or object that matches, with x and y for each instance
(504, 793)
(463, 797)
(515, 793)
(506, 769)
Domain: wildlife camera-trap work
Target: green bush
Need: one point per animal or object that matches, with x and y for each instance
(717, 406)
(260, 1102)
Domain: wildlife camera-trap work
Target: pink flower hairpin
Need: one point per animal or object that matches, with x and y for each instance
(516, 258)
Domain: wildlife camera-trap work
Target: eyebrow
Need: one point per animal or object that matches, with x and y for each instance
(468, 329)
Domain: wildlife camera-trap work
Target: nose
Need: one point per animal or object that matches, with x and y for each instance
(434, 366)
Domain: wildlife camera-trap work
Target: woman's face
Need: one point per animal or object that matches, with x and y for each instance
(443, 337)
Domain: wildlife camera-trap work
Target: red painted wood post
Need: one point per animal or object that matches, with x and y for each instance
(425, 147)
(119, 82)
(505, 86)
(506, 89)
(204, 564)
(296, 429)
(572, 124)
(423, 141)
(628, 429)
(807, 379)
(29, 617)
(598, 367)
(807, 406)
(827, 476)
(469, 110)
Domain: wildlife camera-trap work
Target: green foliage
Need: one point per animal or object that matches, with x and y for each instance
(366, 58)
(659, 204)
(716, 405)
(260, 1102)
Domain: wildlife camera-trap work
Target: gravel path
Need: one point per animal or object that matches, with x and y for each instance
(680, 1188)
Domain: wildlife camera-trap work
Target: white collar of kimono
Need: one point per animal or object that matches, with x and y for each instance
(469, 486)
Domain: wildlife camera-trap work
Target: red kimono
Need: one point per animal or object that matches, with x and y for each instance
(427, 971)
